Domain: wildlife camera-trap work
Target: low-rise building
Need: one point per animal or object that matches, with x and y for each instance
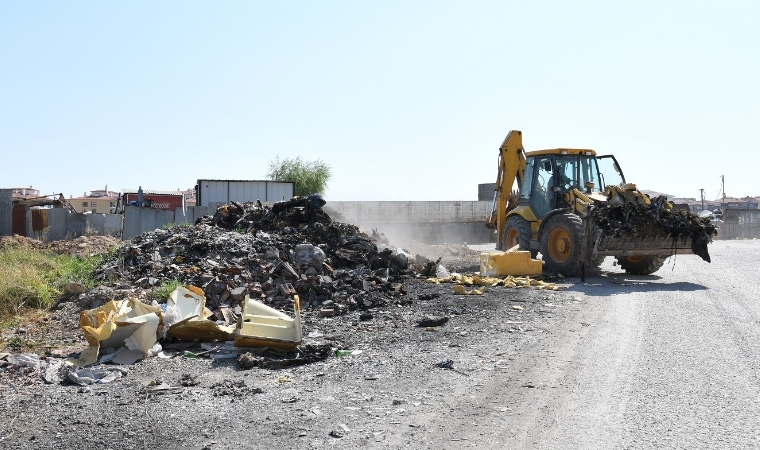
(100, 201)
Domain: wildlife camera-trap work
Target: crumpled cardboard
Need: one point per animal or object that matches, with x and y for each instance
(128, 324)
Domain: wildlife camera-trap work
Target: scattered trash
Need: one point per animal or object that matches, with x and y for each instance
(129, 326)
(448, 364)
(461, 290)
(29, 360)
(236, 388)
(91, 375)
(270, 358)
(509, 281)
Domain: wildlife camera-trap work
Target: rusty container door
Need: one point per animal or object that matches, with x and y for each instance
(39, 222)
(19, 219)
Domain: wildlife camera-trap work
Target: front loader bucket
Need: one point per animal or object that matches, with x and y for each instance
(642, 240)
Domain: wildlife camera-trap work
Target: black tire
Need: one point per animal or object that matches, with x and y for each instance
(641, 265)
(561, 240)
(517, 232)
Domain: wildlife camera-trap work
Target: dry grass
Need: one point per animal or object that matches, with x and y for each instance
(34, 278)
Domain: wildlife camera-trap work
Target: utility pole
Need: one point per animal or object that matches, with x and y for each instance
(702, 196)
(723, 200)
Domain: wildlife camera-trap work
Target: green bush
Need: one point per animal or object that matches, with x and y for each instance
(309, 177)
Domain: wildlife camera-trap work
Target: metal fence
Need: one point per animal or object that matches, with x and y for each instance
(740, 224)
(432, 222)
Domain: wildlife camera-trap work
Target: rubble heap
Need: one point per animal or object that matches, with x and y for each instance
(270, 254)
(629, 213)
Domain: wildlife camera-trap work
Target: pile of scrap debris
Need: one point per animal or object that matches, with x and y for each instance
(269, 254)
(628, 212)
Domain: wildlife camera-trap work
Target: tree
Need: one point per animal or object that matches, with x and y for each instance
(309, 177)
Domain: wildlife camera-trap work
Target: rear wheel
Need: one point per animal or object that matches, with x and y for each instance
(561, 239)
(641, 265)
(517, 232)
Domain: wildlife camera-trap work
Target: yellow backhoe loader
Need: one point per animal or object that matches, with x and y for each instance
(552, 211)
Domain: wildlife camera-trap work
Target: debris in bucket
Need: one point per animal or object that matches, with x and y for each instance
(628, 212)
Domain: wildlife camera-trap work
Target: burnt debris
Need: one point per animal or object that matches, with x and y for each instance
(653, 218)
(270, 254)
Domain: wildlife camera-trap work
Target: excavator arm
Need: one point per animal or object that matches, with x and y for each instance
(511, 169)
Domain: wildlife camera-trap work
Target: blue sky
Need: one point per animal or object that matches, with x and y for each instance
(404, 100)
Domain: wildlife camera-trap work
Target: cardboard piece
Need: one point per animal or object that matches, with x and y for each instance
(187, 310)
(263, 326)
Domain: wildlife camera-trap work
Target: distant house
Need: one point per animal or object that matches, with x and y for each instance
(741, 203)
(100, 201)
(25, 193)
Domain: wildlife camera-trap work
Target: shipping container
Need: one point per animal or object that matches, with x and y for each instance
(241, 191)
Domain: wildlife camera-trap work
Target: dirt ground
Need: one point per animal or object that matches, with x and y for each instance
(392, 393)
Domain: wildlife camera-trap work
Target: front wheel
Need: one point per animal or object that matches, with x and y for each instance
(641, 265)
(561, 240)
(517, 232)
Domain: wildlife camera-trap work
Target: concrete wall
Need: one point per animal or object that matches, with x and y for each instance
(409, 212)
(429, 222)
(6, 212)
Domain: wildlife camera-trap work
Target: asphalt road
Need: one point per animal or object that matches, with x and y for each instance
(669, 360)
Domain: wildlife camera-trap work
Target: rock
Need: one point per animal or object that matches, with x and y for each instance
(238, 294)
(432, 321)
(95, 297)
(247, 361)
(442, 272)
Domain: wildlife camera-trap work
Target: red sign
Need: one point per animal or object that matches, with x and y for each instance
(158, 201)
